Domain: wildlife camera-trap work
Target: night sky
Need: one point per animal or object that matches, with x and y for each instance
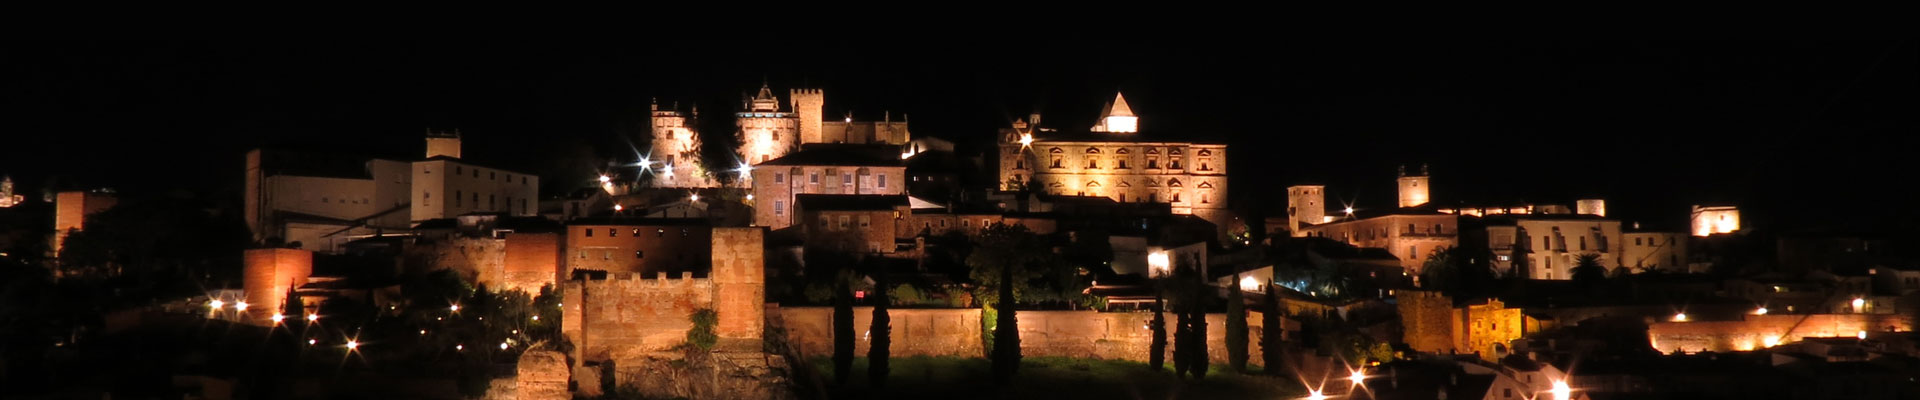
(1801, 135)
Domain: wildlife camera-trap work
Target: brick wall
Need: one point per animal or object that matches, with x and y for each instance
(1753, 331)
(268, 275)
(532, 261)
(739, 277)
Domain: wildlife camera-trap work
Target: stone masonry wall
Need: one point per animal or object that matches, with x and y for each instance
(739, 278)
(268, 276)
(532, 260)
(1752, 331)
(475, 259)
(630, 314)
(956, 332)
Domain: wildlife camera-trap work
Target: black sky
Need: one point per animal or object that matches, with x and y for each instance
(1801, 134)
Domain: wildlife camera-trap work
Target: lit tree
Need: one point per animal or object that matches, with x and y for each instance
(880, 348)
(1270, 333)
(1158, 358)
(842, 334)
(1006, 345)
(1236, 327)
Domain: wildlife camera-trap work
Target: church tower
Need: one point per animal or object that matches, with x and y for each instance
(765, 132)
(674, 156)
(806, 104)
(1117, 117)
(443, 143)
(1306, 205)
(1414, 188)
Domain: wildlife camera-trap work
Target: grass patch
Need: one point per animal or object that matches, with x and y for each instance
(1048, 378)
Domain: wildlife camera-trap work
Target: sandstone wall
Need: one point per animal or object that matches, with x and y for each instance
(542, 375)
(1753, 331)
(956, 332)
(269, 275)
(739, 277)
(626, 314)
(476, 259)
(532, 260)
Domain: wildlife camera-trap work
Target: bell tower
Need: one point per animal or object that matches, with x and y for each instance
(1414, 188)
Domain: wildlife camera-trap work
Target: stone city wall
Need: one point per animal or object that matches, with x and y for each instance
(269, 275)
(956, 332)
(479, 260)
(1755, 331)
(625, 314)
(532, 260)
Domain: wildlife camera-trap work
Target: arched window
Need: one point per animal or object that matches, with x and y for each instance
(1091, 150)
(1173, 183)
(1204, 153)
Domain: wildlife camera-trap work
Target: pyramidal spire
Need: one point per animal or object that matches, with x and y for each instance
(1120, 108)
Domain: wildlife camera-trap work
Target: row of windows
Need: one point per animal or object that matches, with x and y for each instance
(880, 180)
(1119, 163)
(458, 170)
(1650, 242)
(1150, 150)
(615, 232)
(426, 199)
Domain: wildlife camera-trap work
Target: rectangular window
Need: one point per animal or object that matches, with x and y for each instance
(490, 202)
(456, 170)
(589, 232)
(476, 173)
(491, 175)
(882, 181)
(846, 178)
(1583, 243)
(456, 198)
(865, 220)
(844, 222)
(639, 254)
(813, 177)
(608, 255)
(779, 208)
(779, 177)
(613, 232)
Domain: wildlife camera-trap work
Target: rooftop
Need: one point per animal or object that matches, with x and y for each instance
(834, 154)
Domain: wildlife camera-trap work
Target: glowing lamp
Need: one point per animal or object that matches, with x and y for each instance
(536, 318)
(313, 317)
(1159, 262)
(1349, 210)
(503, 345)
(277, 317)
(455, 308)
(1249, 284)
(1681, 317)
(216, 304)
(694, 197)
(1770, 341)
(459, 347)
(749, 196)
(1357, 377)
(1862, 335)
(1760, 311)
(311, 342)
(423, 332)
(1858, 304)
(240, 306)
(353, 344)
(860, 294)
(1315, 395)
(605, 179)
(1561, 391)
(617, 207)
(1026, 140)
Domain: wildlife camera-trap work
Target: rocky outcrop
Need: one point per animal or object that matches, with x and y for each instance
(706, 375)
(542, 375)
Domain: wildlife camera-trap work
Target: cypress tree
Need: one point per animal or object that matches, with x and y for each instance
(1006, 335)
(1198, 365)
(1158, 359)
(1236, 327)
(882, 330)
(842, 333)
(1270, 331)
(1182, 340)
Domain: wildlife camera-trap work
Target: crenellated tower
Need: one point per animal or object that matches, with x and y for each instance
(806, 105)
(674, 157)
(1414, 188)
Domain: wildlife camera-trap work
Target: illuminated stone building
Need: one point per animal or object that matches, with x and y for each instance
(324, 201)
(1712, 220)
(1114, 160)
(1411, 234)
(1433, 323)
(832, 169)
(7, 198)
(766, 131)
(674, 158)
(1654, 250)
(1414, 188)
(1551, 244)
(71, 210)
(851, 223)
(647, 246)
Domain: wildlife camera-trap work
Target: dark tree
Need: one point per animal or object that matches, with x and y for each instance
(880, 348)
(1236, 327)
(1006, 335)
(842, 334)
(1198, 332)
(1158, 359)
(1270, 333)
(1182, 341)
(1587, 271)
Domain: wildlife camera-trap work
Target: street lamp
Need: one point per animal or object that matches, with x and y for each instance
(216, 304)
(1561, 391)
(277, 317)
(240, 306)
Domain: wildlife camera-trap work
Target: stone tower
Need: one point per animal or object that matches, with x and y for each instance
(765, 132)
(1591, 207)
(674, 157)
(1117, 117)
(1306, 205)
(806, 104)
(443, 143)
(1414, 188)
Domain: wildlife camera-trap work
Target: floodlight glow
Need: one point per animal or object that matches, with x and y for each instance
(313, 317)
(503, 345)
(353, 344)
(455, 308)
(694, 197)
(605, 179)
(617, 207)
(1681, 317)
(1358, 377)
(1770, 341)
(1561, 391)
(240, 306)
(749, 196)
(1315, 395)
(1858, 304)
(1249, 284)
(1349, 210)
(1159, 262)
(277, 317)
(1862, 335)
(216, 304)
(1760, 311)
